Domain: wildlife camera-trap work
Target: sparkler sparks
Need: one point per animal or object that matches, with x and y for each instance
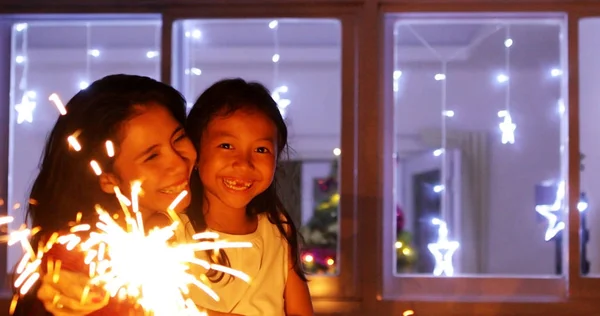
(129, 263)
(125, 260)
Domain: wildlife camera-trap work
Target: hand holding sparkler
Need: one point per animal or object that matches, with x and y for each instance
(72, 285)
(128, 263)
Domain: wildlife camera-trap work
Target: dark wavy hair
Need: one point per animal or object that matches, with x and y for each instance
(66, 184)
(223, 98)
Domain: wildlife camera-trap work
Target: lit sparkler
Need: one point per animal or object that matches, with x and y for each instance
(126, 261)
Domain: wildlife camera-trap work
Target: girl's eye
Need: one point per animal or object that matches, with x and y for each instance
(262, 150)
(225, 146)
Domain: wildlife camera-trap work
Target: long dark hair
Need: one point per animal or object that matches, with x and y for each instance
(66, 184)
(222, 98)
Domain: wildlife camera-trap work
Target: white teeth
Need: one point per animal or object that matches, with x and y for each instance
(174, 189)
(237, 185)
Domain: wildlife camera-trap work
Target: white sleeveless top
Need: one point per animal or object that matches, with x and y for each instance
(266, 263)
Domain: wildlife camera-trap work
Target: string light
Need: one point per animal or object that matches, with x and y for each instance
(397, 75)
(25, 108)
(448, 113)
(196, 34)
(502, 78)
(282, 103)
(507, 126)
(91, 53)
(443, 250)
(27, 105)
(552, 211)
(549, 212)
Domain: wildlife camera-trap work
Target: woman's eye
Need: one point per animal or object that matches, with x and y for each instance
(180, 137)
(152, 156)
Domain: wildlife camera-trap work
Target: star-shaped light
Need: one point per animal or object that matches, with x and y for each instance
(507, 127)
(443, 250)
(25, 108)
(549, 212)
(282, 104)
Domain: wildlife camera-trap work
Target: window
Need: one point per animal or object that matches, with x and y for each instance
(480, 156)
(53, 59)
(590, 154)
(299, 61)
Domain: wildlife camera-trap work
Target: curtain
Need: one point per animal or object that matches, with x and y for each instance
(475, 153)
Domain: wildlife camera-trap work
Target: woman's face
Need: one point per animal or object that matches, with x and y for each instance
(155, 151)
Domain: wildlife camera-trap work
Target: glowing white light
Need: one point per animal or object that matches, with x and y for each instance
(438, 188)
(275, 58)
(397, 74)
(549, 212)
(507, 128)
(194, 34)
(19, 59)
(151, 54)
(273, 24)
(443, 250)
(282, 104)
(94, 52)
(20, 27)
(508, 42)
(448, 113)
(439, 77)
(582, 206)
(25, 108)
(561, 106)
(502, 78)
(83, 85)
(438, 152)
(555, 72)
(337, 151)
(193, 71)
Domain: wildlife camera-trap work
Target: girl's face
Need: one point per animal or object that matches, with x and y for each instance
(154, 150)
(237, 159)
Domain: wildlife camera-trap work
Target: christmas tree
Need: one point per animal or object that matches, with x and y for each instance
(321, 232)
(405, 253)
(319, 255)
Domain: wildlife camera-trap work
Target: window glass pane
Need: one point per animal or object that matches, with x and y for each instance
(299, 61)
(589, 95)
(58, 58)
(480, 130)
